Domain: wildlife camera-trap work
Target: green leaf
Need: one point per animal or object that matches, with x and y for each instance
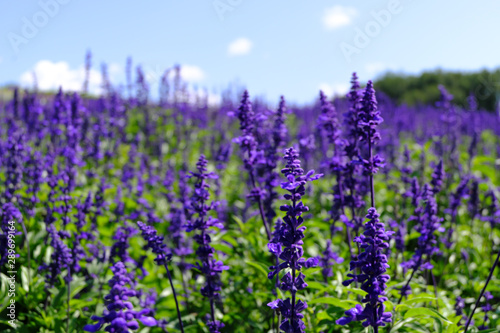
(223, 248)
(400, 324)
(315, 285)
(76, 285)
(260, 266)
(240, 224)
(341, 303)
(25, 278)
(419, 300)
(415, 312)
(357, 291)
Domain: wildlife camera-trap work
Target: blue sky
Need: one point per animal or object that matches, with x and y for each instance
(274, 47)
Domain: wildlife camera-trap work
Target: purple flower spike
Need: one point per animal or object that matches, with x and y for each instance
(287, 244)
(369, 116)
(328, 121)
(373, 265)
(155, 243)
(202, 222)
(438, 177)
(120, 314)
(247, 140)
(328, 259)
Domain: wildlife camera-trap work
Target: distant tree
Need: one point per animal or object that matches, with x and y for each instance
(422, 89)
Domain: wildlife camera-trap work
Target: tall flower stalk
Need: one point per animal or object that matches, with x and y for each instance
(369, 119)
(372, 262)
(329, 124)
(427, 224)
(248, 145)
(163, 257)
(289, 239)
(353, 184)
(373, 265)
(119, 313)
(202, 222)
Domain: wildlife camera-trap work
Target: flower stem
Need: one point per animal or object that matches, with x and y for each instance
(261, 209)
(212, 310)
(175, 297)
(482, 291)
(406, 285)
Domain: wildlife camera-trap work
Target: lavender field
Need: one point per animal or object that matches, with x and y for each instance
(123, 213)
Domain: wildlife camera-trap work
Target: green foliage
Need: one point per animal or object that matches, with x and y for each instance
(422, 89)
(243, 246)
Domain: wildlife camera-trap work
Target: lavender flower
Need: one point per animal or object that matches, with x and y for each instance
(400, 231)
(120, 314)
(459, 308)
(328, 122)
(368, 120)
(445, 98)
(290, 238)
(163, 257)
(369, 116)
(155, 243)
(373, 265)
(182, 245)
(406, 170)
(247, 140)
(427, 224)
(486, 308)
(328, 259)
(279, 129)
(202, 222)
(473, 203)
(461, 192)
(168, 182)
(248, 145)
(120, 247)
(61, 259)
(77, 249)
(437, 177)
(32, 176)
(14, 162)
(493, 215)
(351, 117)
(371, 167)
(271, 177)
(8, 213)
(99, 202)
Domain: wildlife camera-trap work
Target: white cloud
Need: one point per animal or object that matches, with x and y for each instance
(240, 46)
(52, 75)
(334, 89)
(191, 73)
(338, 16)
